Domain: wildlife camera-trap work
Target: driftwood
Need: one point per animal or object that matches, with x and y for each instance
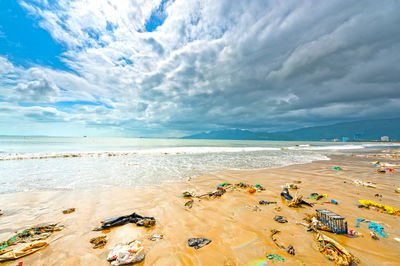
(22, 250)
(334, 251)
(289, 249)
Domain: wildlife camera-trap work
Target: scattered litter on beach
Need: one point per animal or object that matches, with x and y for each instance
(250, 188)
(317, 196)
(354, 233)
(334, 251)
(298, 201)
(263, 202)
(337, 168)
(22, 250)
(223, 184)
(213, 194)
(384, 171)
(294, 202)
(364, 183)
(189, 204)
(259, 187)
(1, 213)
(285, 193)
(387, 165)
(329, 247)
(69, 210)
(189, 193)
(371, 225)
(332, 220)
(197, 243)
(321, 196)
(121, 220)
(243, 185)
(313, 224)
(373, 235)
(290, 186)
(385, 208)
(146, 222)
(280, 219)
(27, 241)
(289, 249)
(39, 232)
(222, 188)
(99, 241)
(131, 252)
(391, 155)
(275, 257)
(156, 237)
(303, 224)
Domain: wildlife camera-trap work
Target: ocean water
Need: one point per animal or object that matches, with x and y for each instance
(57, 163)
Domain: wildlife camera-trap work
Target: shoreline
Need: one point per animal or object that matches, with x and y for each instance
(10, 156)
(155, 186)
(238, 235)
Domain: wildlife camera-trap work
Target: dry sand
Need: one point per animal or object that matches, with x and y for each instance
(238, 235)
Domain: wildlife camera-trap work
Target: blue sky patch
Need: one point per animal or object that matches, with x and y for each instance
(157, 17)
(65, 106)
(110, 27)
(125, 61)
(22, 40)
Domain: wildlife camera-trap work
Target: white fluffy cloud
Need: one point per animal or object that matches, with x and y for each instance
(261, 65)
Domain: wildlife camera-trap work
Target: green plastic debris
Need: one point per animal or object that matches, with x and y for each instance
(275, 256)
(12, 239)
(223, 184)
(336, 168)
(257, 186)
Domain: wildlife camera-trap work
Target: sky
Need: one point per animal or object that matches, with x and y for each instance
(171, 68)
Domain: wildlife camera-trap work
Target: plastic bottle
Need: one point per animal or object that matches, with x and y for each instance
(352, 233)
(334, 201)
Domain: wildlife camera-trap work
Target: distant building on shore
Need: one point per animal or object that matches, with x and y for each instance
(385, 138)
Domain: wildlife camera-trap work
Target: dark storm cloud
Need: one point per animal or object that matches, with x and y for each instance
(260, 65)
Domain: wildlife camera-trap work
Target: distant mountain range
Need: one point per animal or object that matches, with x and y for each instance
(354, 131)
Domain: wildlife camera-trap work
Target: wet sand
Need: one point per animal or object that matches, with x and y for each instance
(238, 235)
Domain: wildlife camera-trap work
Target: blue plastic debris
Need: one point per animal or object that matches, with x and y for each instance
(371, 225)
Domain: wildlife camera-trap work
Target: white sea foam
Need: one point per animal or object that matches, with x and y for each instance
(183, 150)
(342, 146)
(45, 163)
(327, 147)
(172, 150)
(139, 168)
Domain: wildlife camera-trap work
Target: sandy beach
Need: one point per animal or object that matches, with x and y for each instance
(239, 234)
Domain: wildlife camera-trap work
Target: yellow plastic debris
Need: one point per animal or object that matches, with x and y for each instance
(387, 209)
